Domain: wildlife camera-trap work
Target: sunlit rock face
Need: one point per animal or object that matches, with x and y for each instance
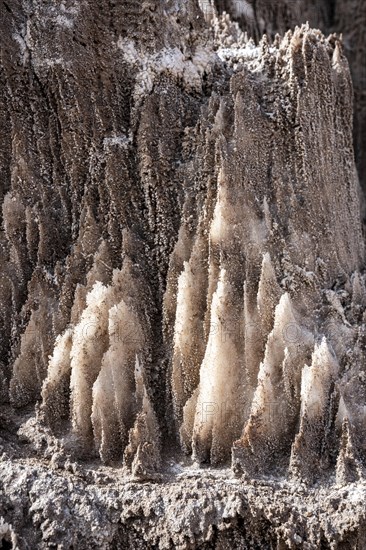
(182, 282)
(276, 323)
(181, 248)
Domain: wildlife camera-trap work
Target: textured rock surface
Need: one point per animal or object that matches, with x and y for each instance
(349, 18)
(182, 285)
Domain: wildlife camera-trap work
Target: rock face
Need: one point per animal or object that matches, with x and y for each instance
(349, 18)
(181, 272)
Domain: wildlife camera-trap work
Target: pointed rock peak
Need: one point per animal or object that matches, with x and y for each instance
(267, 267)
(343, 412)
(286, 40)
(264, 45)
(97, 294)
(277, 40)
(316, 379)
(349, 469)
(269, 293)
(101, 269)
(55, 389)
(284, 313)
(336, 304)
(142, 455)
(127, 267)
(323, 357)
(208, 9)
(337, 62)
(103, 250)
(296, 40)
(222, 118)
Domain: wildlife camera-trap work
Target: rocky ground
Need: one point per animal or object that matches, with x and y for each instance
(58, 502)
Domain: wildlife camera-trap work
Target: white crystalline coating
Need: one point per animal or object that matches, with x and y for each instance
(64, 21)
(270, 368)
(214, 360)
(51, 62)
(24, 51)
(121, 141)
(90, 341)
(286, 330)
(60, 362)
(279, 373)
(114, 387)
(306, 387)
(184, 334)
(169, 60)
(245, 51)
(268, 293)
(316, 380)
(63, 15)
(216, 424)
(105, 426)
(187, 312)
(337, 63)
(264, 395)
(219, 229)
(248, 52)
(108, 392)
(70, 9)
(208, 9)
(129, 50)
(184, 311)
(5, 528)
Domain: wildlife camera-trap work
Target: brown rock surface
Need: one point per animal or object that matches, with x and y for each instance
(182, 283)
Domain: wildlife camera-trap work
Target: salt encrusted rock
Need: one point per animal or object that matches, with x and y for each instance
(181, 270)
(244, 240)
(245, 245)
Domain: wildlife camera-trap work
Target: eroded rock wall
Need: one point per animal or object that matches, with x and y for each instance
(257, 17)
(182, 257)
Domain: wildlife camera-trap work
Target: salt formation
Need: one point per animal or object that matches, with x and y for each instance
(215, 425)
(188, 339)
(253, 385)
(316, 386)
(112, 408)
(143, 451)
(275, 406)
(95, 369)
(55, 391)
(247, 270)
(181, 254)
(90, 342)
